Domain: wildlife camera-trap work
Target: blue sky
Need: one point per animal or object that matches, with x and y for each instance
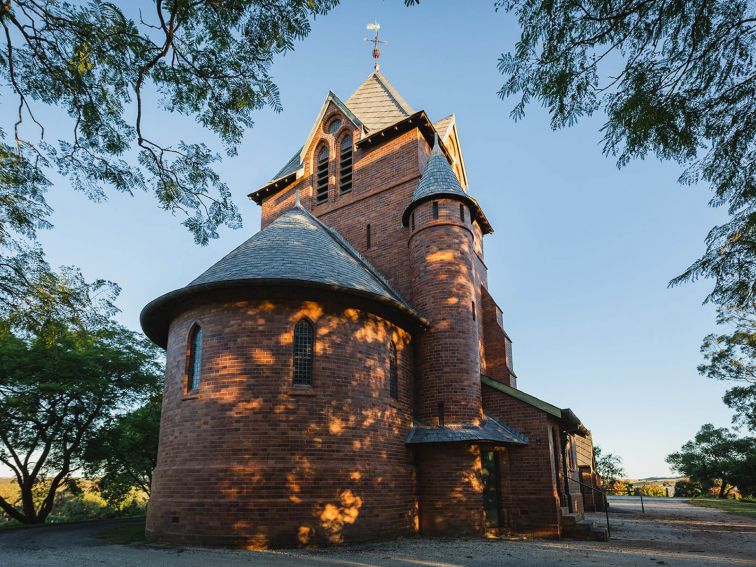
(581, 254)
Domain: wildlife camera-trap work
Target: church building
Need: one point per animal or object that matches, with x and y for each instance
(345, 375)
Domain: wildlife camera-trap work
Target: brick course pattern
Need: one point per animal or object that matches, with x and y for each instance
(252, 460)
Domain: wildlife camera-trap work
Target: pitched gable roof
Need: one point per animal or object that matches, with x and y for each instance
(296, 248)
(377, 103)
(444, 127)
(569, 420)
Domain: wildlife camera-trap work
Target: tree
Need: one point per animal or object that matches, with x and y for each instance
(608, 466)
(123, 453)
(687, 489)
(102, 64)
(732, 356)
(675, 79)
(715, 454)
(56, 389)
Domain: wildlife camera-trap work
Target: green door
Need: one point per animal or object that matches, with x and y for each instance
(490, 488)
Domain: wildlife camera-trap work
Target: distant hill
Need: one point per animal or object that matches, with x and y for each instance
(663, 480)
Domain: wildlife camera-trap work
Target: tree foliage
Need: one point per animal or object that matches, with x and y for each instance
(687, 489)
(717, 454)
(676, 79)
(103, 64)
(608, 466)
(56, 389)
(732, 356)
(123, 453)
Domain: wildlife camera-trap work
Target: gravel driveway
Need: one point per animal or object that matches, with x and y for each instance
(671, 532)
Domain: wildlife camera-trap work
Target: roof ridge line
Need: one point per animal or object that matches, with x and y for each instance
(393, 93)
(352, 251)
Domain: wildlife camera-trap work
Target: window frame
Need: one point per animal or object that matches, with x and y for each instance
(296, 380)
(393, 371)
(346, 170)
(322, 177)
(194, 359)
(333, 125)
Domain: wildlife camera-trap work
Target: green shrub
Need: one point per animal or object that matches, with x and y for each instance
(687, 489)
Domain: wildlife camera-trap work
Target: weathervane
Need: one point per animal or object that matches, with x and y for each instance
(375, 26)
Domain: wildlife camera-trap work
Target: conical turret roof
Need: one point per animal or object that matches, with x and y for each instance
(438, 180)
(295, 249)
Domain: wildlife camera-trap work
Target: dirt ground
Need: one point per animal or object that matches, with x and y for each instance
(671, 532)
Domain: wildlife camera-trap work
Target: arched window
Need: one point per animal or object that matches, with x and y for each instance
(304, 337)
(393, 372)
(345, 165)
(194, 364)
(321, 185)
(334, 126)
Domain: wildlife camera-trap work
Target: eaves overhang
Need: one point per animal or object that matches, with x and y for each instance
(567, 418)
(490, 431)
(156, 317)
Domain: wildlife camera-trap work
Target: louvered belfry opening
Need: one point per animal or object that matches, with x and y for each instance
(321, 189)
(303, 353)
(345, 165)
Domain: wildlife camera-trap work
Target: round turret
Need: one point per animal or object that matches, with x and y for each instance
(442, 253)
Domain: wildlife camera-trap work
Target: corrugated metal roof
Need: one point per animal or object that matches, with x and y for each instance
(522, 396)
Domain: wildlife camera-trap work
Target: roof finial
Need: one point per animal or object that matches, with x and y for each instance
(375, 26)
(297, 203)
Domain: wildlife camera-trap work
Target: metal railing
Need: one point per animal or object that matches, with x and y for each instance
(603, 499)
(629, 490)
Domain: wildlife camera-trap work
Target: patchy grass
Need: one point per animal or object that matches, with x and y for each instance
(124, 535)
(727, 505)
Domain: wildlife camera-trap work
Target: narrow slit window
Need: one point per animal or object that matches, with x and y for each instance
(345, 165)
(195, 360)
(462, 212)
(321, 185)
(367, 235)
(304, 337)
(393, 372)
(435, 209)
(413, 221)
(473, 310)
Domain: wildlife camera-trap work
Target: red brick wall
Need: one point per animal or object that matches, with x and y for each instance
(495, 342)
(443, 284)
(450, 490)
(251, 460)
(529, 493)
(384, 177)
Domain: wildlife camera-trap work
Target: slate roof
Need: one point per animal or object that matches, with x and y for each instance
(377, 103)
(491, 431)
(443, 127)
(295, 248)
(291, 166)
(438, 180)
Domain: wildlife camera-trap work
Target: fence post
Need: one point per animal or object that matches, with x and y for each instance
(643, 508)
